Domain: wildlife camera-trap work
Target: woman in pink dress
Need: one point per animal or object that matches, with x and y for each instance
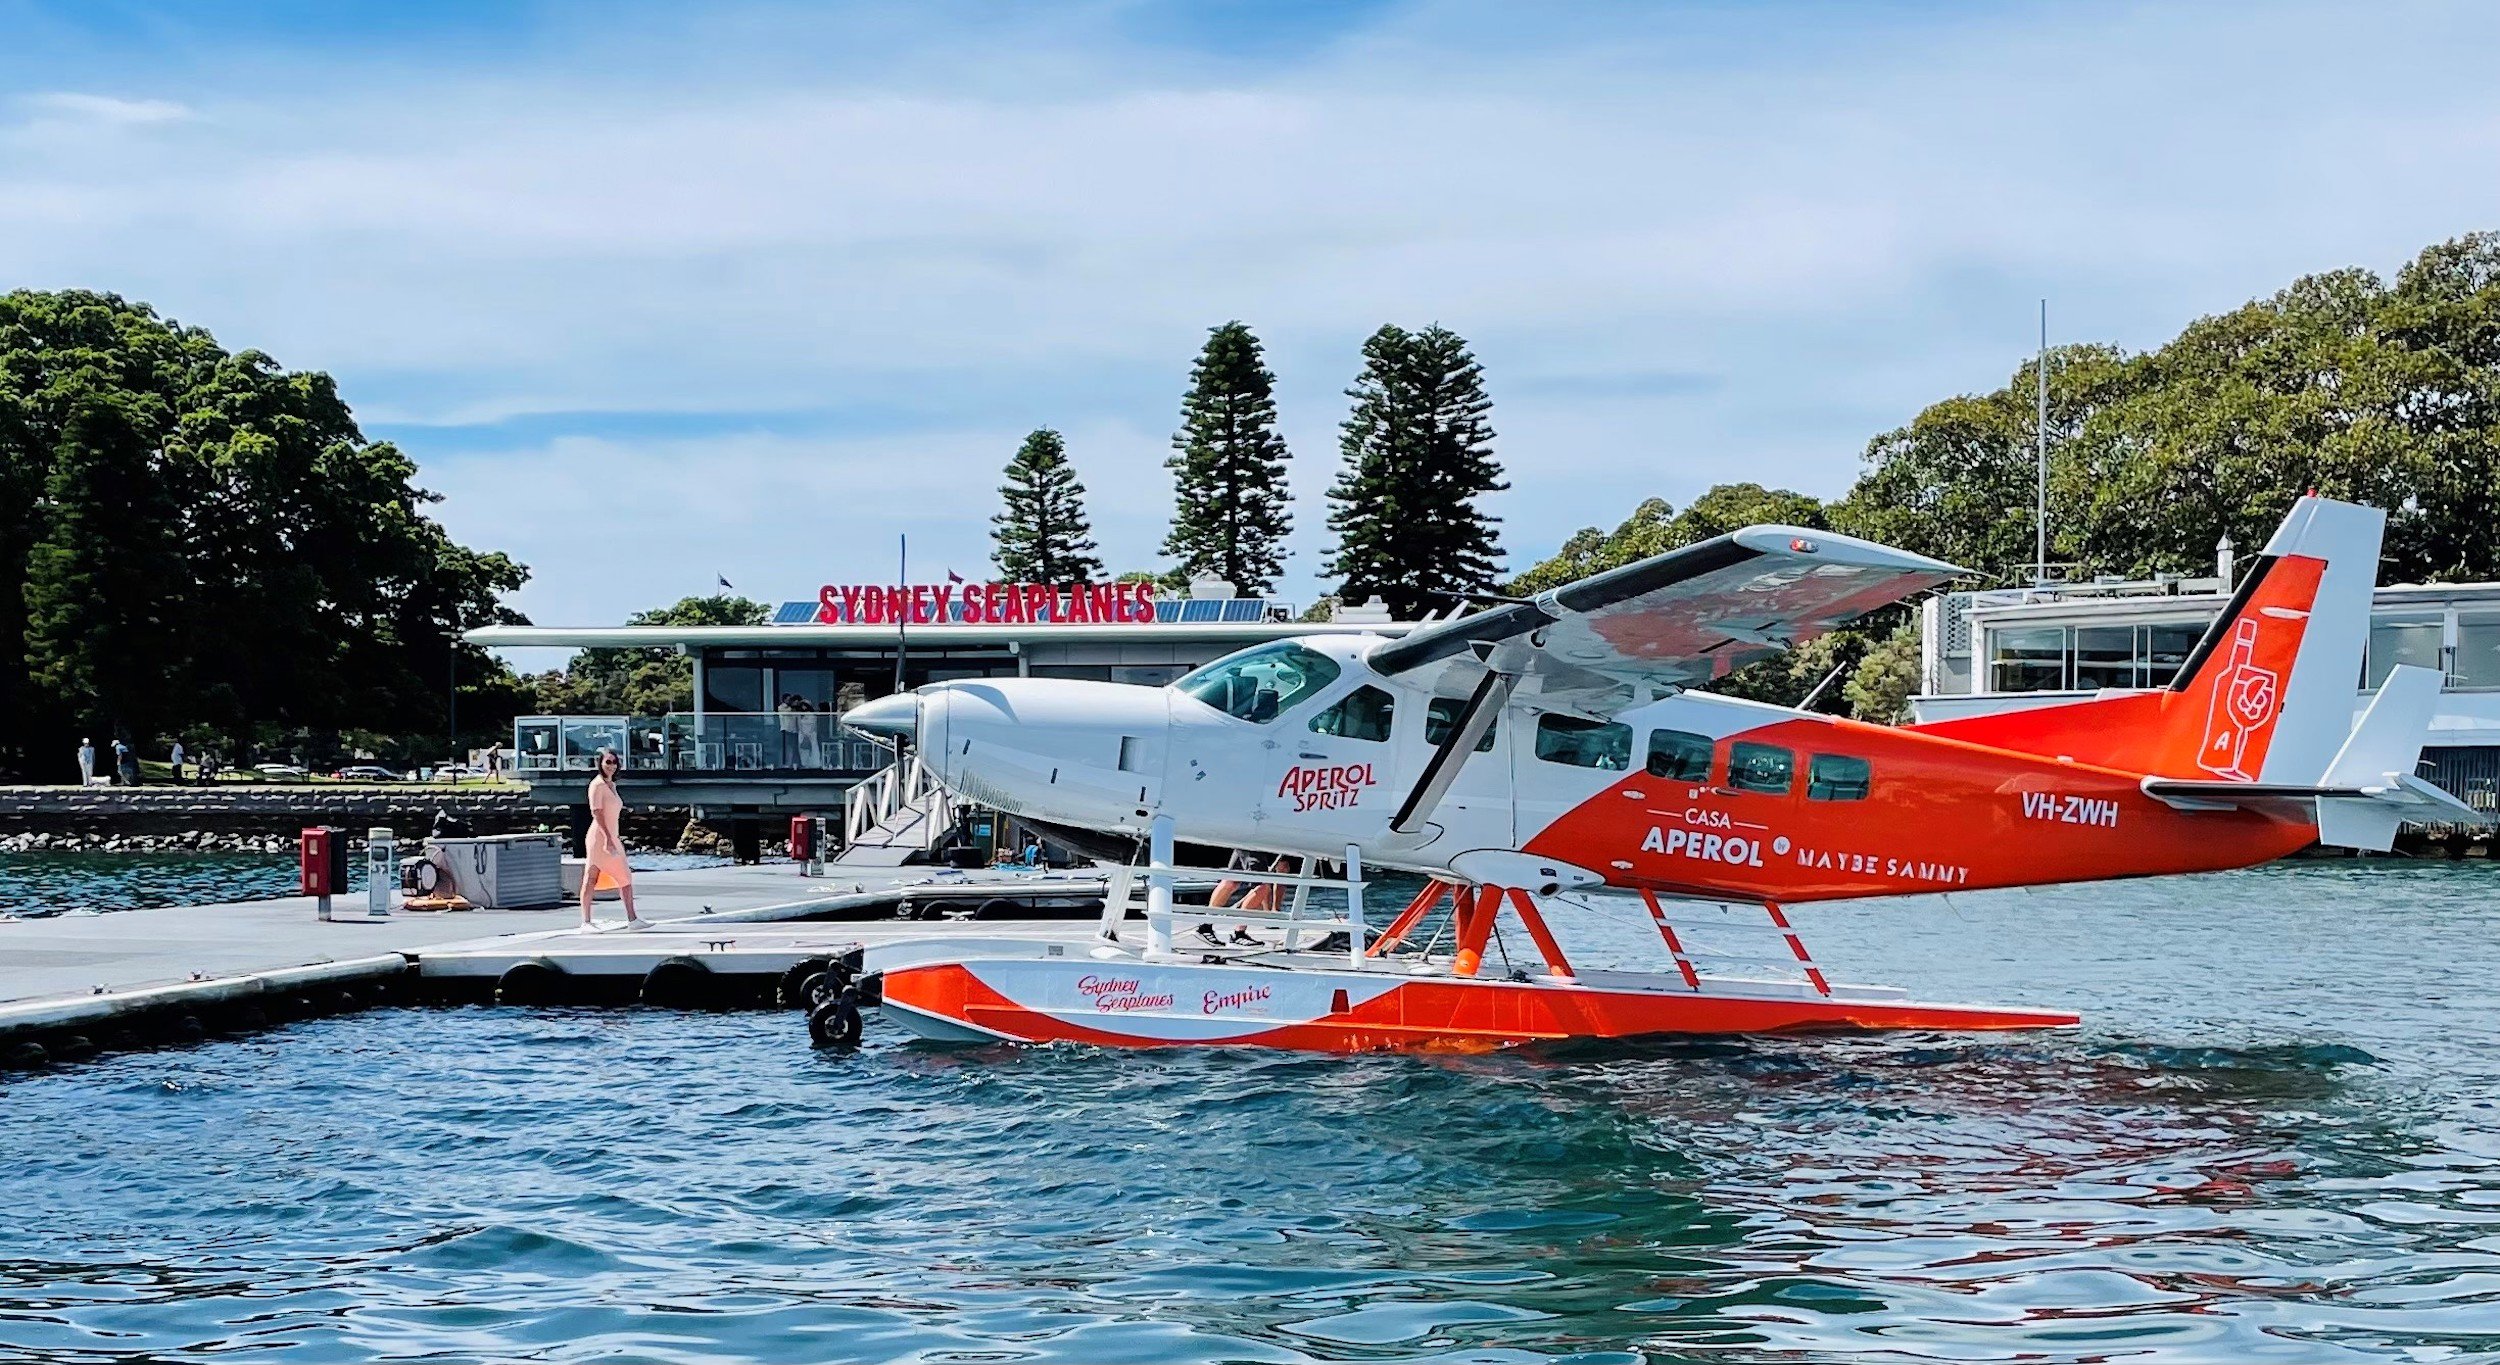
(603, 849)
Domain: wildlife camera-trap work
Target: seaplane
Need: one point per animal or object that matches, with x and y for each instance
(1561, 751)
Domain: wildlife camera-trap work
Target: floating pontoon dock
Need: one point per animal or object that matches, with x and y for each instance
(71, 983)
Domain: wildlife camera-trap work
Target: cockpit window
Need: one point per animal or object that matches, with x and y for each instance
(1258, 685)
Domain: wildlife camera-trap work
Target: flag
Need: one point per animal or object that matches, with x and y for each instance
(726, 583)
(954, 577)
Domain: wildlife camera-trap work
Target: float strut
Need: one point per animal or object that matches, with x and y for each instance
(1692, 979)
(1797, 945)
(1411, 916)
(1475, 927)
(1555, 962)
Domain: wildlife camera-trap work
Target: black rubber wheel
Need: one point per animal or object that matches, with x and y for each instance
(531, 981)
(998, 907)
(792, 994)
(825, 985)
(75, 1047)
(28, 1056)
(678, 983)
(834, 1023)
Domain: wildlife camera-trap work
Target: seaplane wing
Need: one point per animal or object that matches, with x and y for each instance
(1680, 618)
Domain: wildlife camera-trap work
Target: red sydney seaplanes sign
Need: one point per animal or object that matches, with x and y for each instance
(984, 604)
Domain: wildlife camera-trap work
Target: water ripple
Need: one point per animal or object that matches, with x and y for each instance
(2270, 1142)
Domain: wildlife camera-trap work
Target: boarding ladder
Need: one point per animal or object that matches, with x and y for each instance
(896, 815)
(1148, 891)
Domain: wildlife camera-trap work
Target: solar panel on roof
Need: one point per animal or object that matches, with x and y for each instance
(794, 613)
(1167, 611)
(1243, 609)
(1200, 609)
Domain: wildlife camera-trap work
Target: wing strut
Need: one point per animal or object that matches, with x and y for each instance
(1491, 694)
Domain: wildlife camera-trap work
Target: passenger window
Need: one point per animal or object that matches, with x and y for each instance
(1764, 768)
(1838, 777)
(1679, 756)
(1360, 714)
(1584, 743)
(1443, 714)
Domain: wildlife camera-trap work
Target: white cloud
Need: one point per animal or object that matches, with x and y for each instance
(112, 110)
(1811, 225)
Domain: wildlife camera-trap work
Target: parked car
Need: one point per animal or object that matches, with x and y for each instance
(284, 772)
(456, 772)
(366, 772)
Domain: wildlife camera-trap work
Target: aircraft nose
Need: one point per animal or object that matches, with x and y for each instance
(896, 716)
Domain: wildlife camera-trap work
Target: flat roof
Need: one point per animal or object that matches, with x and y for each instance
(1233, 635)
(2388, 597)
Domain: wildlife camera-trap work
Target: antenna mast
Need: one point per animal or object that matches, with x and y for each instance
(2040, 518)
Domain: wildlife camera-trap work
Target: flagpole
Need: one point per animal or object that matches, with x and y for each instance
(902, 621)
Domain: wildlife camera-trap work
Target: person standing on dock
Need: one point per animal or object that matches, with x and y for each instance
(86, 763)
(603, 849)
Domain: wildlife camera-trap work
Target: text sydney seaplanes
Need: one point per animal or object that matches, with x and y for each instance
(985, 604)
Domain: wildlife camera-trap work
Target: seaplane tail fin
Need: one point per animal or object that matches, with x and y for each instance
(2266, 695)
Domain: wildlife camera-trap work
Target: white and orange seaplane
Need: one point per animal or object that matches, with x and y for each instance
(1552, 751)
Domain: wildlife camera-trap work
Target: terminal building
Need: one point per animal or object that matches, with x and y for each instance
(764, 738)
(2038, 646)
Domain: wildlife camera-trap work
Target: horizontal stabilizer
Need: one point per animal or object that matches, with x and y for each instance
(2410, 796)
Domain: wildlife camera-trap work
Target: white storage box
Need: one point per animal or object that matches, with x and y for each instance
(504, 871)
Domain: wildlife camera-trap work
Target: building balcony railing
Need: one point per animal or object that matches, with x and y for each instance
(683, 742)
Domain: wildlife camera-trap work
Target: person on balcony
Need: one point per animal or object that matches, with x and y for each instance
(603, 849)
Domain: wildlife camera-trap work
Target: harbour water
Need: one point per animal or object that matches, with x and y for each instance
(61, 883)
(2274, 1138)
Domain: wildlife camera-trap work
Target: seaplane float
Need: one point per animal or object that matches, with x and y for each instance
(1557, 750)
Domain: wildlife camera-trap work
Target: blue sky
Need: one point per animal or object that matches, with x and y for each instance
(655, 293)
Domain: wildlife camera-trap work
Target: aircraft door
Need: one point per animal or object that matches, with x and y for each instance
(1334, 770)
(1559, 762)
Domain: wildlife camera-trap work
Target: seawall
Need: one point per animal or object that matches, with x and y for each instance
(282, 810)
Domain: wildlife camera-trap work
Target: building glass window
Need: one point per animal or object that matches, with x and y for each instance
(1764, 768)
(1679, 756)
(2105, 656)
(2478, 652)
(1584, 743)
(1838, 777)
(1363, 713)
(1147, 675)
(2165, 649)
(731, 688)
(2027, 659)
(1258, 685)
(807, 689)
(2401, 642)
(1443, 714)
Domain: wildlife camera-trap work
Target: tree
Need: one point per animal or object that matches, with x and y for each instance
(103, 586)
(314, 594)
(1228, 516)
(1418, 454)
(1886, 677)
(1043, 536)
(643, 682)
